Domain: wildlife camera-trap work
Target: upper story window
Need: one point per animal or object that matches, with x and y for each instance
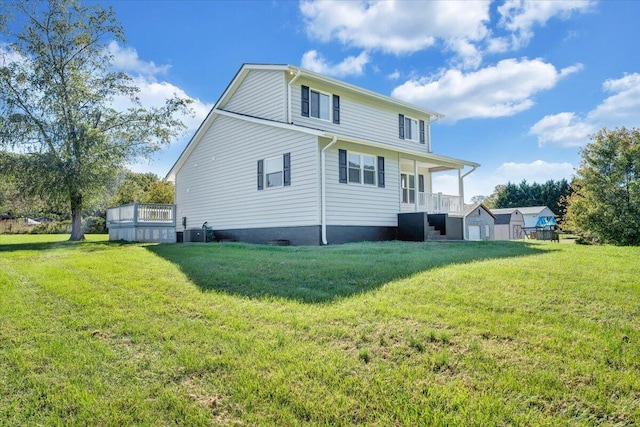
(411, 129)
(320, 105)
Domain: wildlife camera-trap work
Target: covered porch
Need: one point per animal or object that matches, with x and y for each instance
(416, 188)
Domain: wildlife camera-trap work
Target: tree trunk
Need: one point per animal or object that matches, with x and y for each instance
(76, 217)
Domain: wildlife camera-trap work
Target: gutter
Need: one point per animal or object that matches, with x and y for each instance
(298, 73)
(323, 196)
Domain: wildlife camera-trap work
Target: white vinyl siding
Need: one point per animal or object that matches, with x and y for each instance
(365, 205)
(261, 94)
(217, 183)
(360, 117)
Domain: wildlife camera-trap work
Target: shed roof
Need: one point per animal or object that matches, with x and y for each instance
(504, 218)
(529, 210)
(468, 209)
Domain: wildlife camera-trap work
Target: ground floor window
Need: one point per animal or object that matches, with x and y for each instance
(408, 183)
(274, 171)
(362, 169)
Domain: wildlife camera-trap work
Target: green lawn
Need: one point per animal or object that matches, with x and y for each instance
(486, 333)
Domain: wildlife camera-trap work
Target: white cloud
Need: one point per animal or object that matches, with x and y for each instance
(564, 129)
(520, 17)
(351, 65)
(483, 182)
(154, 94)
(504, 89)
(394, 76)
(405, 27)
(127, 59)
(398, 27)
(568, 129)
(536, 171)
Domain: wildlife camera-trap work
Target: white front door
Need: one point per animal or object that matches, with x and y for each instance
(474, 232)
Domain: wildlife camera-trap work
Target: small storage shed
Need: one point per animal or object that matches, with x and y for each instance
(529, 213)
(509, 224)
(479, 222)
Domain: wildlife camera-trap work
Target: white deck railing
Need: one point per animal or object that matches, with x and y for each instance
(439, 203)
(142, 213)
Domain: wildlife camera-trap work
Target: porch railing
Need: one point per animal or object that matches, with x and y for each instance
(440, 203)
(142, 214)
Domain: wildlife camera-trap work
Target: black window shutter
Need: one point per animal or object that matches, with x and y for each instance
(260, 174)
(305, 101)
(342, 163)
(286, 168)
(421, 183)
(422, 140)
(336, 109)
(401, 125)
(381, 171)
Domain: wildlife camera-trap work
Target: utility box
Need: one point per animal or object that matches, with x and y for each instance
(194, 235)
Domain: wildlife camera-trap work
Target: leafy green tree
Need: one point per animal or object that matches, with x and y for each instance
(57, 91)
(17, 176)
(605, 204)
(144, 188)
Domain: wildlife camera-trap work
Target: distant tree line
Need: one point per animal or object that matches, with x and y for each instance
(551, 194)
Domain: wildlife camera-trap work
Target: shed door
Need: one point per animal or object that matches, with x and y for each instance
(474, 232)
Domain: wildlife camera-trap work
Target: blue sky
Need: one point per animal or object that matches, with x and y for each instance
(522, 84)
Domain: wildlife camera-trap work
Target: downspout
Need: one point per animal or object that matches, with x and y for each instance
(461, 191)
(323, 197)
(432, 119)
(289, 95)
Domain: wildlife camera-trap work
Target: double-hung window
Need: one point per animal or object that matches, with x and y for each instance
(362, 169)
(274, 172)
(408, 183)
(410, 129)
(320, 105)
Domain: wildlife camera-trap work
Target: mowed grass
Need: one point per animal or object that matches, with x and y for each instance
(486, 333)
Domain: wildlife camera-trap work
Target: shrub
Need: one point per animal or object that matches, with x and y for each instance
(58, 227)
(95, 225)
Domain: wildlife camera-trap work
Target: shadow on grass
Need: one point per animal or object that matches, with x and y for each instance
(322, 274)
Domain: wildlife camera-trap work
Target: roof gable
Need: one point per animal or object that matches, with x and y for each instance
(529, 210)
(469, 209)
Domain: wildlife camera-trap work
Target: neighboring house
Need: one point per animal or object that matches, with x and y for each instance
(508, 225)
(289, 154)
(530, 214)
(479, 222)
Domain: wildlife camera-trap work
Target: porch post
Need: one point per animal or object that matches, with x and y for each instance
(461, 194)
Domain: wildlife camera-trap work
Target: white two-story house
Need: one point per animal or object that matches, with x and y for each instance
(289, 154)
